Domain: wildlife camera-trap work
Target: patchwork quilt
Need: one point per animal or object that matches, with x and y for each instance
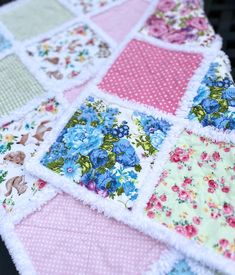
(117, 144)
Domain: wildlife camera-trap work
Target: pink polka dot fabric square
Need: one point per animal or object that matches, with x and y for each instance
(67, 238)
(151, 75)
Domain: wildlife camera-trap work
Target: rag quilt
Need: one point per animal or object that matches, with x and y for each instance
(117, 144)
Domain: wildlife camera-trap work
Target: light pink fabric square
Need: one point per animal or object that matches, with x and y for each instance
(118, 21)
(151, 75)
(67, 238)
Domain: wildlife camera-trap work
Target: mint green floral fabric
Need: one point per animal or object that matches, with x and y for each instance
(107, 149)
(195, 195)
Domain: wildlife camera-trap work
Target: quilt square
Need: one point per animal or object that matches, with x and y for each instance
(195, 195)
(151, 75)
(215, 100)
(64, 219)
(180, 22)
(5, 43)
(87, 6)
(17, 85)
(32, 18)
(19, 141)
(72, 54)
(107, 149)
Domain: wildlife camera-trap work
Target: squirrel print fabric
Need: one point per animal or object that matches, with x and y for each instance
(19, 140)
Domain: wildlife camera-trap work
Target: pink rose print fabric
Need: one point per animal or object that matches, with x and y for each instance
(151, 75)
(195, 195)
(180, 22)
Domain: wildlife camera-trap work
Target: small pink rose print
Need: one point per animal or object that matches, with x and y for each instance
(211, 190)
(228, 209)
(178, 37)
(226, 150)
(175, 188)
(180, 229)
(225, 189)
(183, 195)
(152, 20)
(158, 29)
(175, 158)
(166, 5)
(191, 231)
(213, 165)
(158, 205)
(185, 158)
(179, 151)
(151, 214)
(200, 164)
(223, 243)
(196, 220)
(168, 213)
(41, 184)
(222, 180)
(204, 156)
(227, 254)
(180, 166)
(202, 139)
(199, 23)
(50, 108)
(187, 181)
(216, 156)
(212, 184)
(231, 221)
(163, 198)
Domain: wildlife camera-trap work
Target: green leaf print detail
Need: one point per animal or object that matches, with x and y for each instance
(85, 164)
(3, 175)
(199, 112)
(74, 120)
(145, 142)
(108, 142)
(56, 165)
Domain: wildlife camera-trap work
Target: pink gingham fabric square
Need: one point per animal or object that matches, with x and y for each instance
(151, 75)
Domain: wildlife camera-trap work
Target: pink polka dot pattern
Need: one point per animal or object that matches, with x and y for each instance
(151, 75)
(67, 238)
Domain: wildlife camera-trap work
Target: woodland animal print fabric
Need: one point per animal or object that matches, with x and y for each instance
(19, 141)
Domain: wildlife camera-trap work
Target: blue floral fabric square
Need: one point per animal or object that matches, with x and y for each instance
(181, 268)
(214, 104)
(107, 149)
(4, 43)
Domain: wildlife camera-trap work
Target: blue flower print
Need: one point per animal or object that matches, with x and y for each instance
(203, 93)
(71, 169)
(215, 100)
(126, 154)
(106, 181)
(157, 138)
(3, 148)
(88, 114)
(128, 187)
(98, 158)
(181, 268)
(210, 105)
(83, 138)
